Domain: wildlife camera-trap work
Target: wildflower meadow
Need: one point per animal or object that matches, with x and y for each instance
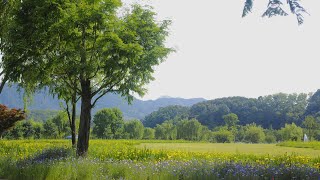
(124, 159)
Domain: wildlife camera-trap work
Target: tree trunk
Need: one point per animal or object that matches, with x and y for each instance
(3, 82)
(85, 118)
(73, 120)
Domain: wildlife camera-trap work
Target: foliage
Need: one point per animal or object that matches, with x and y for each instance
(254, 134)
(230, 120)
(108, 124)
(164, 114)
(223, 136)
(291, 132)
(274, 9)
(311, 125)
(8, 117)
(270, 137)
(89, 41)
(313, 107)
(62, 124)
(50, 130)
(133, 129)
(42, 115)
(148, 133)
(272, 110)
(189, 130)
(166, 131)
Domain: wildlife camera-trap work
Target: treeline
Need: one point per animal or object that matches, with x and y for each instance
(272, 111)
(268, 119)
(110, 124)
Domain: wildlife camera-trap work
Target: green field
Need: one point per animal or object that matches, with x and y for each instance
(258, 149)
(140, 159)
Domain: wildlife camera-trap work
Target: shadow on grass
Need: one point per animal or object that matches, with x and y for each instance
(47, 155)
(38, 164)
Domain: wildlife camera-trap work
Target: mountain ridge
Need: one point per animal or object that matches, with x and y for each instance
(138, 109)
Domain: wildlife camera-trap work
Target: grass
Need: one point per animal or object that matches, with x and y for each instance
(143, 159)
(312, 145)
(257, 149)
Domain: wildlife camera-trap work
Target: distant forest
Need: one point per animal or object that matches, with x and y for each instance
(272, 111)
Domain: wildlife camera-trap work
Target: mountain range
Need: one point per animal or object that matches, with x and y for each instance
(13, 98)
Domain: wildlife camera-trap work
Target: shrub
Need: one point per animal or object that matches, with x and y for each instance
(8, 117)
(223, 136)
(254, 134)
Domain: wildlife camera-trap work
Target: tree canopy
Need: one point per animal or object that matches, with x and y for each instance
(166, 113)
(8, 117)
(90, 41)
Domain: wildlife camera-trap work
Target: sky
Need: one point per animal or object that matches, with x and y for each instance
(219, 54)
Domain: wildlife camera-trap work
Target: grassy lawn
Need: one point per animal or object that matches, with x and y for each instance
(257, 149)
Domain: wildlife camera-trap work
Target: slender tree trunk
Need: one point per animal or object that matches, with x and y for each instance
(73, 120)
(85, 118)
(3, 82)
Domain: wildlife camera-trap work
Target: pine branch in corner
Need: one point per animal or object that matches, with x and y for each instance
(247, 7)
(297, 9)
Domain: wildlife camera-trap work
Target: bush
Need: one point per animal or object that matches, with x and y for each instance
(291, 132)
(270, 138)
(254, 134)
(8, 117)
(223, 136)
(148, 133)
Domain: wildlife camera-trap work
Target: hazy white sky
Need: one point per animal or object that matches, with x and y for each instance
(219, 54)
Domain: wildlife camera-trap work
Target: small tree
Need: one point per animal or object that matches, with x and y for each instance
(291, 132)
(8, 117)
(50, 130)
(108, 123)
(230, 120)
(223, 136)
(61, 122)
(134, 129)
(254, 134)
(149, 133)
(189, 130)
(311, 125)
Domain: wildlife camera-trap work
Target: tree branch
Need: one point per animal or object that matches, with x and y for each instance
(3, 82)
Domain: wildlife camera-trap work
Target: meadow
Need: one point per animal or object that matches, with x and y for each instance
(128, 159)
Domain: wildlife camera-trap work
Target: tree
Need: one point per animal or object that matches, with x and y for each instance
(105, 50)
(16, 132)
(189, 130)
(313, 108)
(223, 136)
(134, 129)
(254, 134)
(108, 123)
(273, 110)
(231, 120)
(6, 11)
(8, 117)
(164, 114)
(291, 132)
(28, 130)
(148, 133)
(311, 125)
(274, 9)
(61, 122)
(50, 130)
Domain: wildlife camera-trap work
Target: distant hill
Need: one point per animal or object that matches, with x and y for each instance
(138, 109)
